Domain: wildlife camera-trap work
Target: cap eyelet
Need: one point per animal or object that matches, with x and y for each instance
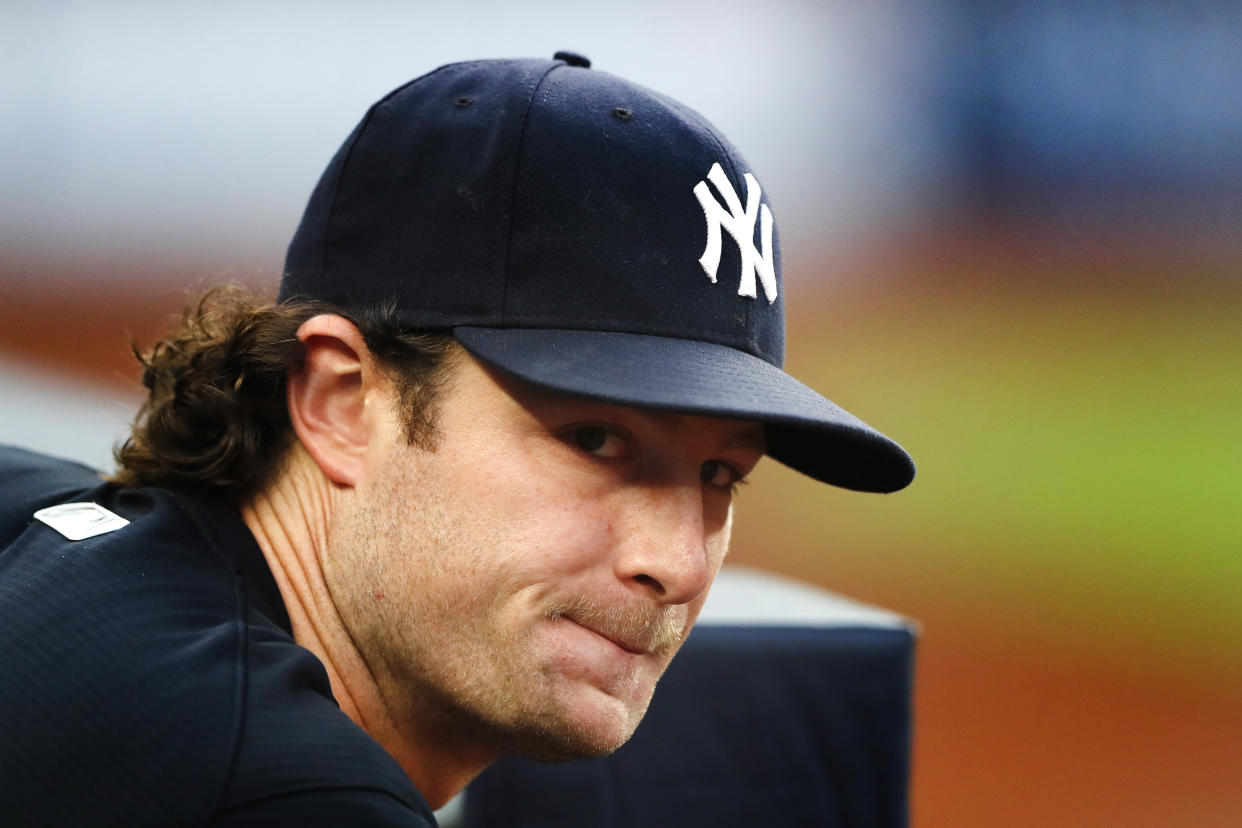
(462, 103)
(622, 114)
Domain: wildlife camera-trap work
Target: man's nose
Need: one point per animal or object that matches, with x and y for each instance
(663, 551)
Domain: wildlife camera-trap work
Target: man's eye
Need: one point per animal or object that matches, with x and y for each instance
(600, 441)
(719, 474)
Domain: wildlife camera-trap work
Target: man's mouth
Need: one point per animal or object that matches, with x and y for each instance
(639, 629)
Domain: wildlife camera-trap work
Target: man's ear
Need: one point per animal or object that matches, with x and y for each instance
(327, 397)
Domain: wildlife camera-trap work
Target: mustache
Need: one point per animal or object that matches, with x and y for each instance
(639, 628)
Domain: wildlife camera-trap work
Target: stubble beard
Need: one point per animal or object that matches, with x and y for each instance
(461, 682)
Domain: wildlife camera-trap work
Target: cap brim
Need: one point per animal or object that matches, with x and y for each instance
(805, 431)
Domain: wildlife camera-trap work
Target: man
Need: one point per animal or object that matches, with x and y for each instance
(459, 494)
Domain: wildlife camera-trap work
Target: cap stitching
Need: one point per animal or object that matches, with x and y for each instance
(361, 131)
(517, 164)
(328, 222)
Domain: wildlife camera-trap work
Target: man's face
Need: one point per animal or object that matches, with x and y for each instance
(524, 585)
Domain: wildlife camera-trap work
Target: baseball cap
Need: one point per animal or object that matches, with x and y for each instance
(582, 233)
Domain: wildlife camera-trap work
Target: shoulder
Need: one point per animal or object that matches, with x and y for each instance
(30, 481)
(122, 668)
(150, 679)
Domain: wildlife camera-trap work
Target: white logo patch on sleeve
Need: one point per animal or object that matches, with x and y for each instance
(79, 521)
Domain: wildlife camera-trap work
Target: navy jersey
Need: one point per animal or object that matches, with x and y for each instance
(148, 675)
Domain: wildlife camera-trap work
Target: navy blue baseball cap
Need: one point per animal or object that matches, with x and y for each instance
(585, 234)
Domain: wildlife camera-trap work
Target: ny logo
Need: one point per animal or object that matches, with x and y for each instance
(741, 225)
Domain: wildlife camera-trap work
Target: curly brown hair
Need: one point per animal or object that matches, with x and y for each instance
(215, 423)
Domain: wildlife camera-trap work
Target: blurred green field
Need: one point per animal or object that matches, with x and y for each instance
(1079, 458)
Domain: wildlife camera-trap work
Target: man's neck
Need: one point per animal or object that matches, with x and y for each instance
(291, 520)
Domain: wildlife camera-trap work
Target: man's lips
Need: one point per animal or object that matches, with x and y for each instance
(629, 645)
(640, 629)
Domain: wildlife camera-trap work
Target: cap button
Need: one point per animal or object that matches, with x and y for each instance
(573, 59)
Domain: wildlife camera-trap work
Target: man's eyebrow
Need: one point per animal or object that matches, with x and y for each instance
(750, 436)
(755, 437)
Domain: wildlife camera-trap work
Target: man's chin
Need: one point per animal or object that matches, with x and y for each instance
(561, 738)
(564, 749)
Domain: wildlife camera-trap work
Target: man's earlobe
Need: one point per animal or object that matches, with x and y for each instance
(327, 397)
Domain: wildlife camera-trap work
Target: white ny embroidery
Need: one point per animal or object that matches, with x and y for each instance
(741, 225)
